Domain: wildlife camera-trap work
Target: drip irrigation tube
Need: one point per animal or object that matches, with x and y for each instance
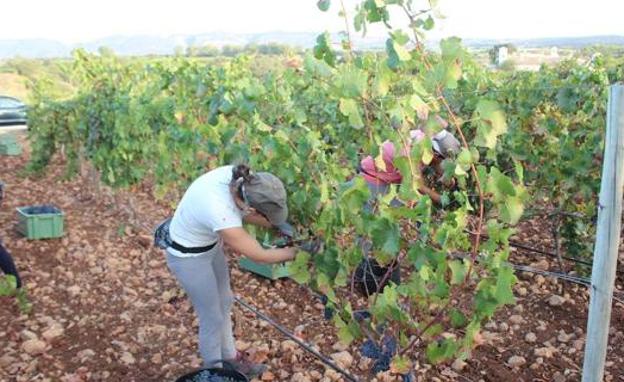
(542, 252)
(307, 347)
(299, 342)
(516, 244)
(573, 279)
(562, 276)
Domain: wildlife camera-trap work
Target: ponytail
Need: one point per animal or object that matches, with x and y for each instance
(241, 173)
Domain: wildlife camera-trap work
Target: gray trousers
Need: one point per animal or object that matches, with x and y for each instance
(206, 280)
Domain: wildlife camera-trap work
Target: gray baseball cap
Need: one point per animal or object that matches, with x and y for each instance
(446, 144)
(266, 193)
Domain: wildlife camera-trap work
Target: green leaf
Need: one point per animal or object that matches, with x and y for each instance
(427, 153)
(519, 170)
(351, 82)
(323, 51)
(8, 285)
(490, 123)
(420, 106)
(399, 37)
(401, 364)
(392, 61)
(429, 23)
(505, 281)
(453, 74)
(499, 185)
(512, 210)
(387, 306)
(354, 198)
(441, 350)
(401, 52)
(381, 86)
(261, 126)
(465, 157)
(386, 235)
(458, 319)
(344, 332)
(451, 49)
(323, 5)
(299, 268)
(505, 186)
(317, 67)
(433, 331)
(458, 272)
(350, 109)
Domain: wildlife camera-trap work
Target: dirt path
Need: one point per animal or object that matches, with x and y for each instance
(105, 307)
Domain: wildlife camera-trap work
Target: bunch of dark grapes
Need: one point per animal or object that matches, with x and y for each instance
(370, 349)
(389, 344)
(328, 313)
(382, 363)
(361, 315)
(207, 376)
(382, 354)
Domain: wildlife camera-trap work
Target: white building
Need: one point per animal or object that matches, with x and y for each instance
(503, 55)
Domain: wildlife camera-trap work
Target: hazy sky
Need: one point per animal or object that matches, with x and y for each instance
(82, 20)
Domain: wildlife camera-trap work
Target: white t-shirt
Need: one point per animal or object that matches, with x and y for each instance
(206, 208)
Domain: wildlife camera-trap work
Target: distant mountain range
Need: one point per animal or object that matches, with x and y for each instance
(154, 45)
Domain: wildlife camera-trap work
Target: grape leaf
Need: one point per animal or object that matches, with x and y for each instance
(323, 5)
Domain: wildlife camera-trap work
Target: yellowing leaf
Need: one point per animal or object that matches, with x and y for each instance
(513, 210)
(401, 52)
(261, 126)
(350, 109)
(380, 163)
(427, 155)
(179, 116)
(453, 74)
(420, 106)
(490, 123)
(401, 365)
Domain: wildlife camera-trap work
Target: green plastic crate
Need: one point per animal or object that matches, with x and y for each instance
(7, 138)
(40, 222)
(10, 149)
(270, 271)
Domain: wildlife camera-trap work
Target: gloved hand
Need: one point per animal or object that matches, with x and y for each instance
(286, 229)
(312, 246)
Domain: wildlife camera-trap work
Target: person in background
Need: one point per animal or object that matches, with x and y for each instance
(8, 266)
(380, 180)
(6, 261)
(211, 214)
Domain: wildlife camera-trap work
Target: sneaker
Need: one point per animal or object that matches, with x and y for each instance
(243, 365)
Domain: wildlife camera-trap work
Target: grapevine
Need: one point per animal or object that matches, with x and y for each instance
(167, 120)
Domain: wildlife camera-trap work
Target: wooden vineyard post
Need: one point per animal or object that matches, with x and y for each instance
(607, 240)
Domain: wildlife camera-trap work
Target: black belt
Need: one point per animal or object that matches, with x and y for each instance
(195, 250)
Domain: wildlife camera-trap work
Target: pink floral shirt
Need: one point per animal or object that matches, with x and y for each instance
(391, 175)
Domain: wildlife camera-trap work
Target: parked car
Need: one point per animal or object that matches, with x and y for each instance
(12, 111)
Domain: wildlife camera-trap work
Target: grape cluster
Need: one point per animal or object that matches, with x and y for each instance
(370, 349)
(382, 354)
(207, 376)
(328, 313)
(361, 315)
(382, 363)
(389, 345)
